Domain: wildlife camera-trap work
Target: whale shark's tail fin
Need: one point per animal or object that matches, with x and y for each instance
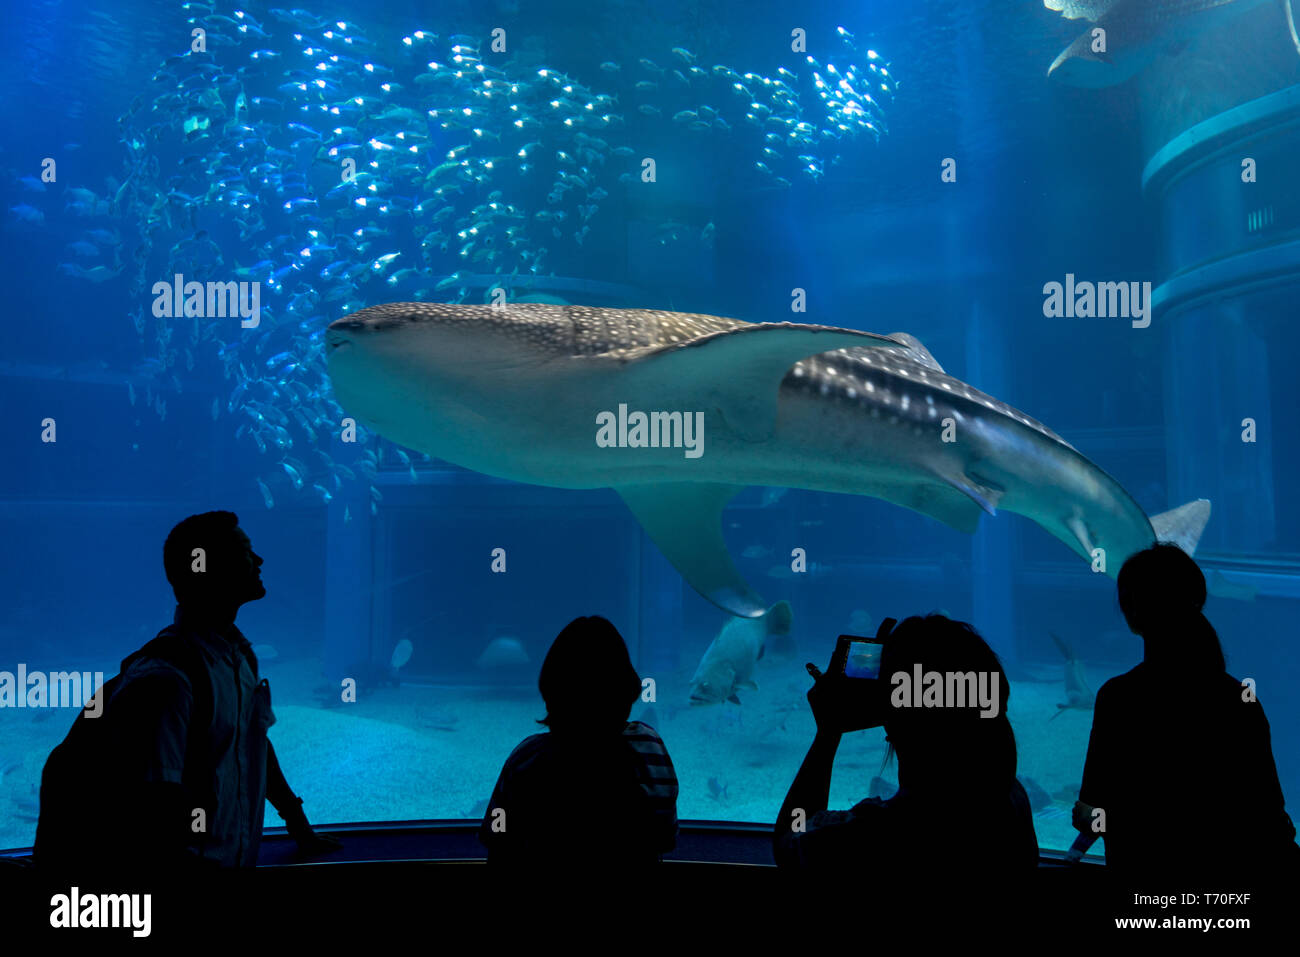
(1183, 525)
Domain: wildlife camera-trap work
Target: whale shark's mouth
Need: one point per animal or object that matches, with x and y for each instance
(334, 338)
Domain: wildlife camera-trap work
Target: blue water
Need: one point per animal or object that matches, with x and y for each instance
(171, 163)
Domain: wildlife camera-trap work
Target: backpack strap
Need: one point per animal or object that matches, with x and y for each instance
(184, 654)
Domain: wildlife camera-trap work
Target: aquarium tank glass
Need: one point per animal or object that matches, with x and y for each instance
(1042, 295)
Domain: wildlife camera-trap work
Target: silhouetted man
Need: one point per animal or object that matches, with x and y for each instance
(1158, 727)
(181, 751)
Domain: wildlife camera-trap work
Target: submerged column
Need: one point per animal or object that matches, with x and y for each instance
(659, 612)
(992, 555)
(349, 543)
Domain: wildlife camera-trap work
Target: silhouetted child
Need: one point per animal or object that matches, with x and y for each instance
(595, 792)
(959, 809)
(1180, 759)
(173, 775)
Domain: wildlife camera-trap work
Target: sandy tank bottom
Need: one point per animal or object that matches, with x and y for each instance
(417, 752)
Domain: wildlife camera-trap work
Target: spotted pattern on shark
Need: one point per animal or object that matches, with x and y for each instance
(515, 391)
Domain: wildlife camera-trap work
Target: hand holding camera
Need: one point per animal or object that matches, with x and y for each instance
(849, 695)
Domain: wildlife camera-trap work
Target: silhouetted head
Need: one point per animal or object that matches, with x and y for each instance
(224, 575)
(587, 679)
(964, 733)
(1161, 593)
(1158, 584)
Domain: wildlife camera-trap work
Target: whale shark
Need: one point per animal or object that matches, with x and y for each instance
(1137, 31)
(519, 391)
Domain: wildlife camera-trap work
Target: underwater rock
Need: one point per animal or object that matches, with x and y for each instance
(503, 653)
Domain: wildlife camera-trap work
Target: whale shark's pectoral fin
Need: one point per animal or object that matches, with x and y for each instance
(742, 369)
(685, 520)
(983, 492)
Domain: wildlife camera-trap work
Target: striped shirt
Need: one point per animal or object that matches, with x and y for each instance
(608, 802)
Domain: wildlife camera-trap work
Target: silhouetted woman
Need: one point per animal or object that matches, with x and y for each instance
(1180, 759)
(959, 808)
(596, 791)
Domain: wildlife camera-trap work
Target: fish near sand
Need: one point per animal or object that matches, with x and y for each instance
(718, 790)
(728, 664)
(370, 675)
(525, 392)
(1137, 31)
(1077, 693)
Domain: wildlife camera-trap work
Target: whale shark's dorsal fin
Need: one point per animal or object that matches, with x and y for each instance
(916, 351)
(744, 366)
(685, 520)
